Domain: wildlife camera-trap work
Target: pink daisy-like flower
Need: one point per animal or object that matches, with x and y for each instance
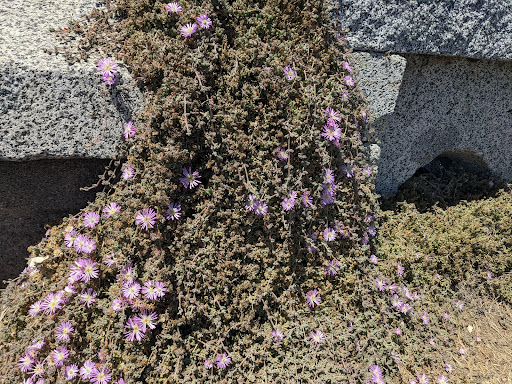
(38, 343)
(58, 356)
(87, 370)
(223, 361)
(25, 363)
(332, 114)
(89, 247)
(290, 72)
(146, 218)
(208, 364)
(148, 290)
(380, 284)
(288, 204)
(251, 202)
(448, 368)
(173, 213)
(106, 66)
(347, 67)
(260, 208)
(422, 379)
(63, 331)
(282, 154)
(110, 259)
(374, 259)
(88, 268)
(71, 371)
(349, 81)
(117, 304)
(128, 173)
(398, 331)
(148, 319)
(190, 179)
(51, 303)
(306, 199)
(110, 210)
(80, 242)
(313, 298)
(329, 234)
(100, 376)
(160, 289)
(442, 380)
(35, 308)
(173, 8)
(188, 29)
(126, 274)
(278, 335)
(135, 330)
(129, 130)
(326, 199)
(88, 297)
(108, 78)
(399, 268)
(345, 95)
(120, 381)
(131, 290)
(424, 318)
(37, 369)
(69, 238)
(204, 21)
(90, 219)
(317, 337)
(332, 134)
(332, 268)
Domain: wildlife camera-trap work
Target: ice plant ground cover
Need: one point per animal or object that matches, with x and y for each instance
(240, 243)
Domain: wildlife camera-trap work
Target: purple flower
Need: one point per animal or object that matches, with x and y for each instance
(35, 308)
(89, 246)
(489, 274)
(307, 200)
(328, 176)
(396, 302)
(159, 289)
(251, 203)
(108, 79)
(326, 199)
(367, 170)
(88, 297)
(188, 29)
(63, 330)
(25, 363)
(374, 259)
(208, 364)
(129, 130)
(332, 134)
(446, 316)
(332, 268)
(313, 298)
(462, 351)
(442, 380)
(372, 231)
(290, 72)
(117, 304)
(345, 95)
(317, 337)
(107, 66)
(111, 209)
(87, 370)
(190, 179)
(398, 331)
(146, 218)
(260, 208)
(38, 369)
(135, 330)
(131, 290)
(332, 114)
(128, 173)
(422, 379)
(278, 336)
(173, 8)
(90, 219)
(346, 67)
(348, 170)
(51, 303)
(459, 305)
(69, 238)
(399, 268)
(282, 154)
(406, 308)
(329, 234)
(380, 284)
(71, 371)
(173, 213)
(58, 356)
(223, 361)
(88, 269)
(148, 319)
(448, 368)
(349, 81)
(100, 376)
(204, 21)
(288, 204)
(424, 318)
(375, 370)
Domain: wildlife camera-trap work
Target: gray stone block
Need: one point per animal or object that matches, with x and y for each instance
(48, 108)
(441, 106)
(469, 28)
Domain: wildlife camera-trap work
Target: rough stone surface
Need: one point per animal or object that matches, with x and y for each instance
(36, 193)
(450, 106)
(48, 108)
(469, 28)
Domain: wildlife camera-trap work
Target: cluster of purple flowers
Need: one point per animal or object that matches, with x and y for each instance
(332, 130)
(222, 362)
(81, 243)
(328, 187)
(108, 69)
(376, 372)
(138, 325)
(203, 21)
(289, 202)
(256, 206)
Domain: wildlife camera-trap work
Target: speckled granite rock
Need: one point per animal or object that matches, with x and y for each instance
(48, 108)
(450, 106)
(470, 28)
